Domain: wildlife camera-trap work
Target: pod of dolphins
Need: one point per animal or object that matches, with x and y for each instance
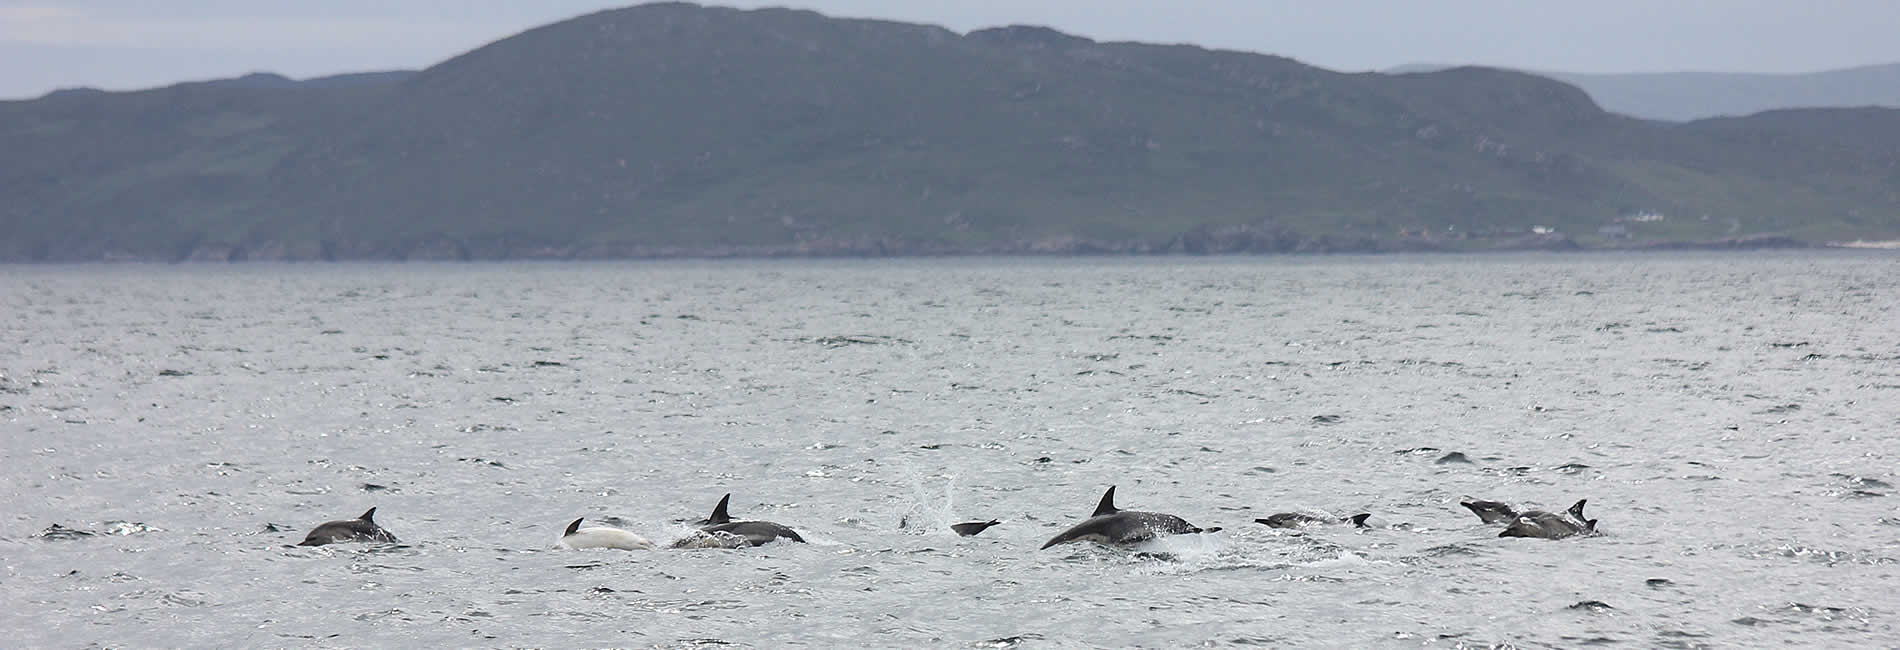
(1108, 525)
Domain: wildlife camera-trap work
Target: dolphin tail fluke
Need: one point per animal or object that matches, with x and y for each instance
(1359, 520)
(973, 528)
(573, 527)
(1107, 506)
(1577, 510)
(369, 515)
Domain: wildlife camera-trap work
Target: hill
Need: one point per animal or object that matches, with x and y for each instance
(1687, 96)
(674, 129)
(1684, 96)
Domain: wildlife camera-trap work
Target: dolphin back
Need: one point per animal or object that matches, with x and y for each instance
(353, 530)
(1543, 525)
(756, 533)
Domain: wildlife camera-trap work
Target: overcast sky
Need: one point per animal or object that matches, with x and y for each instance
(121, 44)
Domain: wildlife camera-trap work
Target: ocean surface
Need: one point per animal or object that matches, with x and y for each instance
(168, 433)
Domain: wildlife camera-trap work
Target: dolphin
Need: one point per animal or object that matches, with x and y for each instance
(1301, 520)
(1490, 512)
(756, 533)
(973, 528)
(360, 529)
(1537, 523)
(601, 537)
(1112, 525)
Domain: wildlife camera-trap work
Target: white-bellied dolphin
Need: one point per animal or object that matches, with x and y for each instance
(576, 537)
(756, 533)
(1112, 525)
(360, 529)
(1545, 525)
(1302, 520)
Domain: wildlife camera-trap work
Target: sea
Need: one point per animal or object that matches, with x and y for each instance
(168, 433)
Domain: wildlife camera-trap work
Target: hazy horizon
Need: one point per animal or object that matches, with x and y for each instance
(127, 44)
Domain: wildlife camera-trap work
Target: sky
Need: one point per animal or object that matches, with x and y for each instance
(126, 44)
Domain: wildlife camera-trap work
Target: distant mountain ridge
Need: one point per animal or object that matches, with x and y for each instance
(673, 129)
(274, 80)
(1686, 96)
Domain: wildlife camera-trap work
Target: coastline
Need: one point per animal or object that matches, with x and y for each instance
(450, 250)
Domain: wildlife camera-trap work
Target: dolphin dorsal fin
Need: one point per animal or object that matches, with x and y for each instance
(1577, 510)
(1107, 506)
(572, 527)
(369, 515)
(719, 515)
(1590, 525)
(1359, 520)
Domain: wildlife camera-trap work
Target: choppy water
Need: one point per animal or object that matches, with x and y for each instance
(1732, 420)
